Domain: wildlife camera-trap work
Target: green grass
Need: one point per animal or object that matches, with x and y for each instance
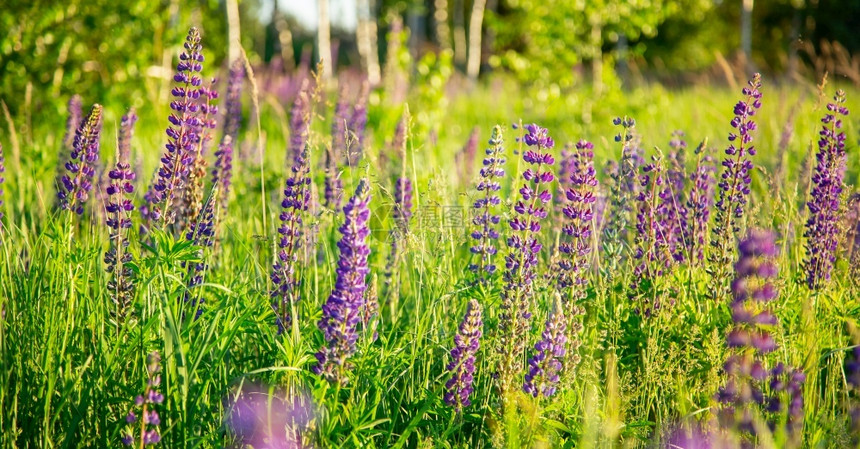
(68, 373)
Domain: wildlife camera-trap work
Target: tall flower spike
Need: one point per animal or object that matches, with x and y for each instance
(339, 126)
(822, 227)
(623, 189)
(576, 246)
(126, 132)
(522, 258)
(342, 310)
(73, 122)
(285, 277)
(486, 219)
(118, 209)
(144, 405)
(466, 157)
(546, 364)
(183, 138)
(734, 187)
(192, 192)
(81, 166)
(699, 203)
(749, 340)
(222, 174)
(462, 364)
(201, 233)
(653, 233)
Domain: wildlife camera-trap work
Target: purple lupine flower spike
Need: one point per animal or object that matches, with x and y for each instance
(285, 276)
(486, 219)
(342, 310)
(522, 258)
(822, 227)
(699, 203)
(546, 364)
(201, 233)
(144, 408)
(673, 203)
(183, 138)
(786, 386)
(81, 166)
(222, 174)
(73, 122)
(623, 189)
(734, 186)
(580, 197)
(403, 203)
(749, 340)
(191, 199)
(118, 209)
(462, 365)
(653, 235)
(466, 156)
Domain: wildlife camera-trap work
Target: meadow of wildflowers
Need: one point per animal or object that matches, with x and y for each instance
(322, 265)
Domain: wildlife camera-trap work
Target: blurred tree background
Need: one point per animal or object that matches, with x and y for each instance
(101, 48)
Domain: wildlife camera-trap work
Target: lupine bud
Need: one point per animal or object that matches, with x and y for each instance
(699, 204)
(485, 218)
(822, 227)
(81, 166)
(118, 209)
(462, 365)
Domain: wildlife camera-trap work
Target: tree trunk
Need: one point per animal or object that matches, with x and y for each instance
(365, 36)
(475, 29)
(746, 30)
(233, 31)
(440, 19)
(324, 41)
(459, 33)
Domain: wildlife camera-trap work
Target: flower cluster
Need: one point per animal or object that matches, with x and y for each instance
(192, 191)
(145, 405)
(342, 310)
(466, 156)
(623, 188)
(339, 126)
(822, 227)
(546, 364)
(699, 204)
(653, 230)
(73, 121)
(333, 184)
(78, 180)
(786, 387)
(183, 138)
(522, 258)
(749, 339)
(285, 278)
(402, 203)
(201, 233)
(485, 219)
(118, 209)
(462, 365)
(734, 186)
